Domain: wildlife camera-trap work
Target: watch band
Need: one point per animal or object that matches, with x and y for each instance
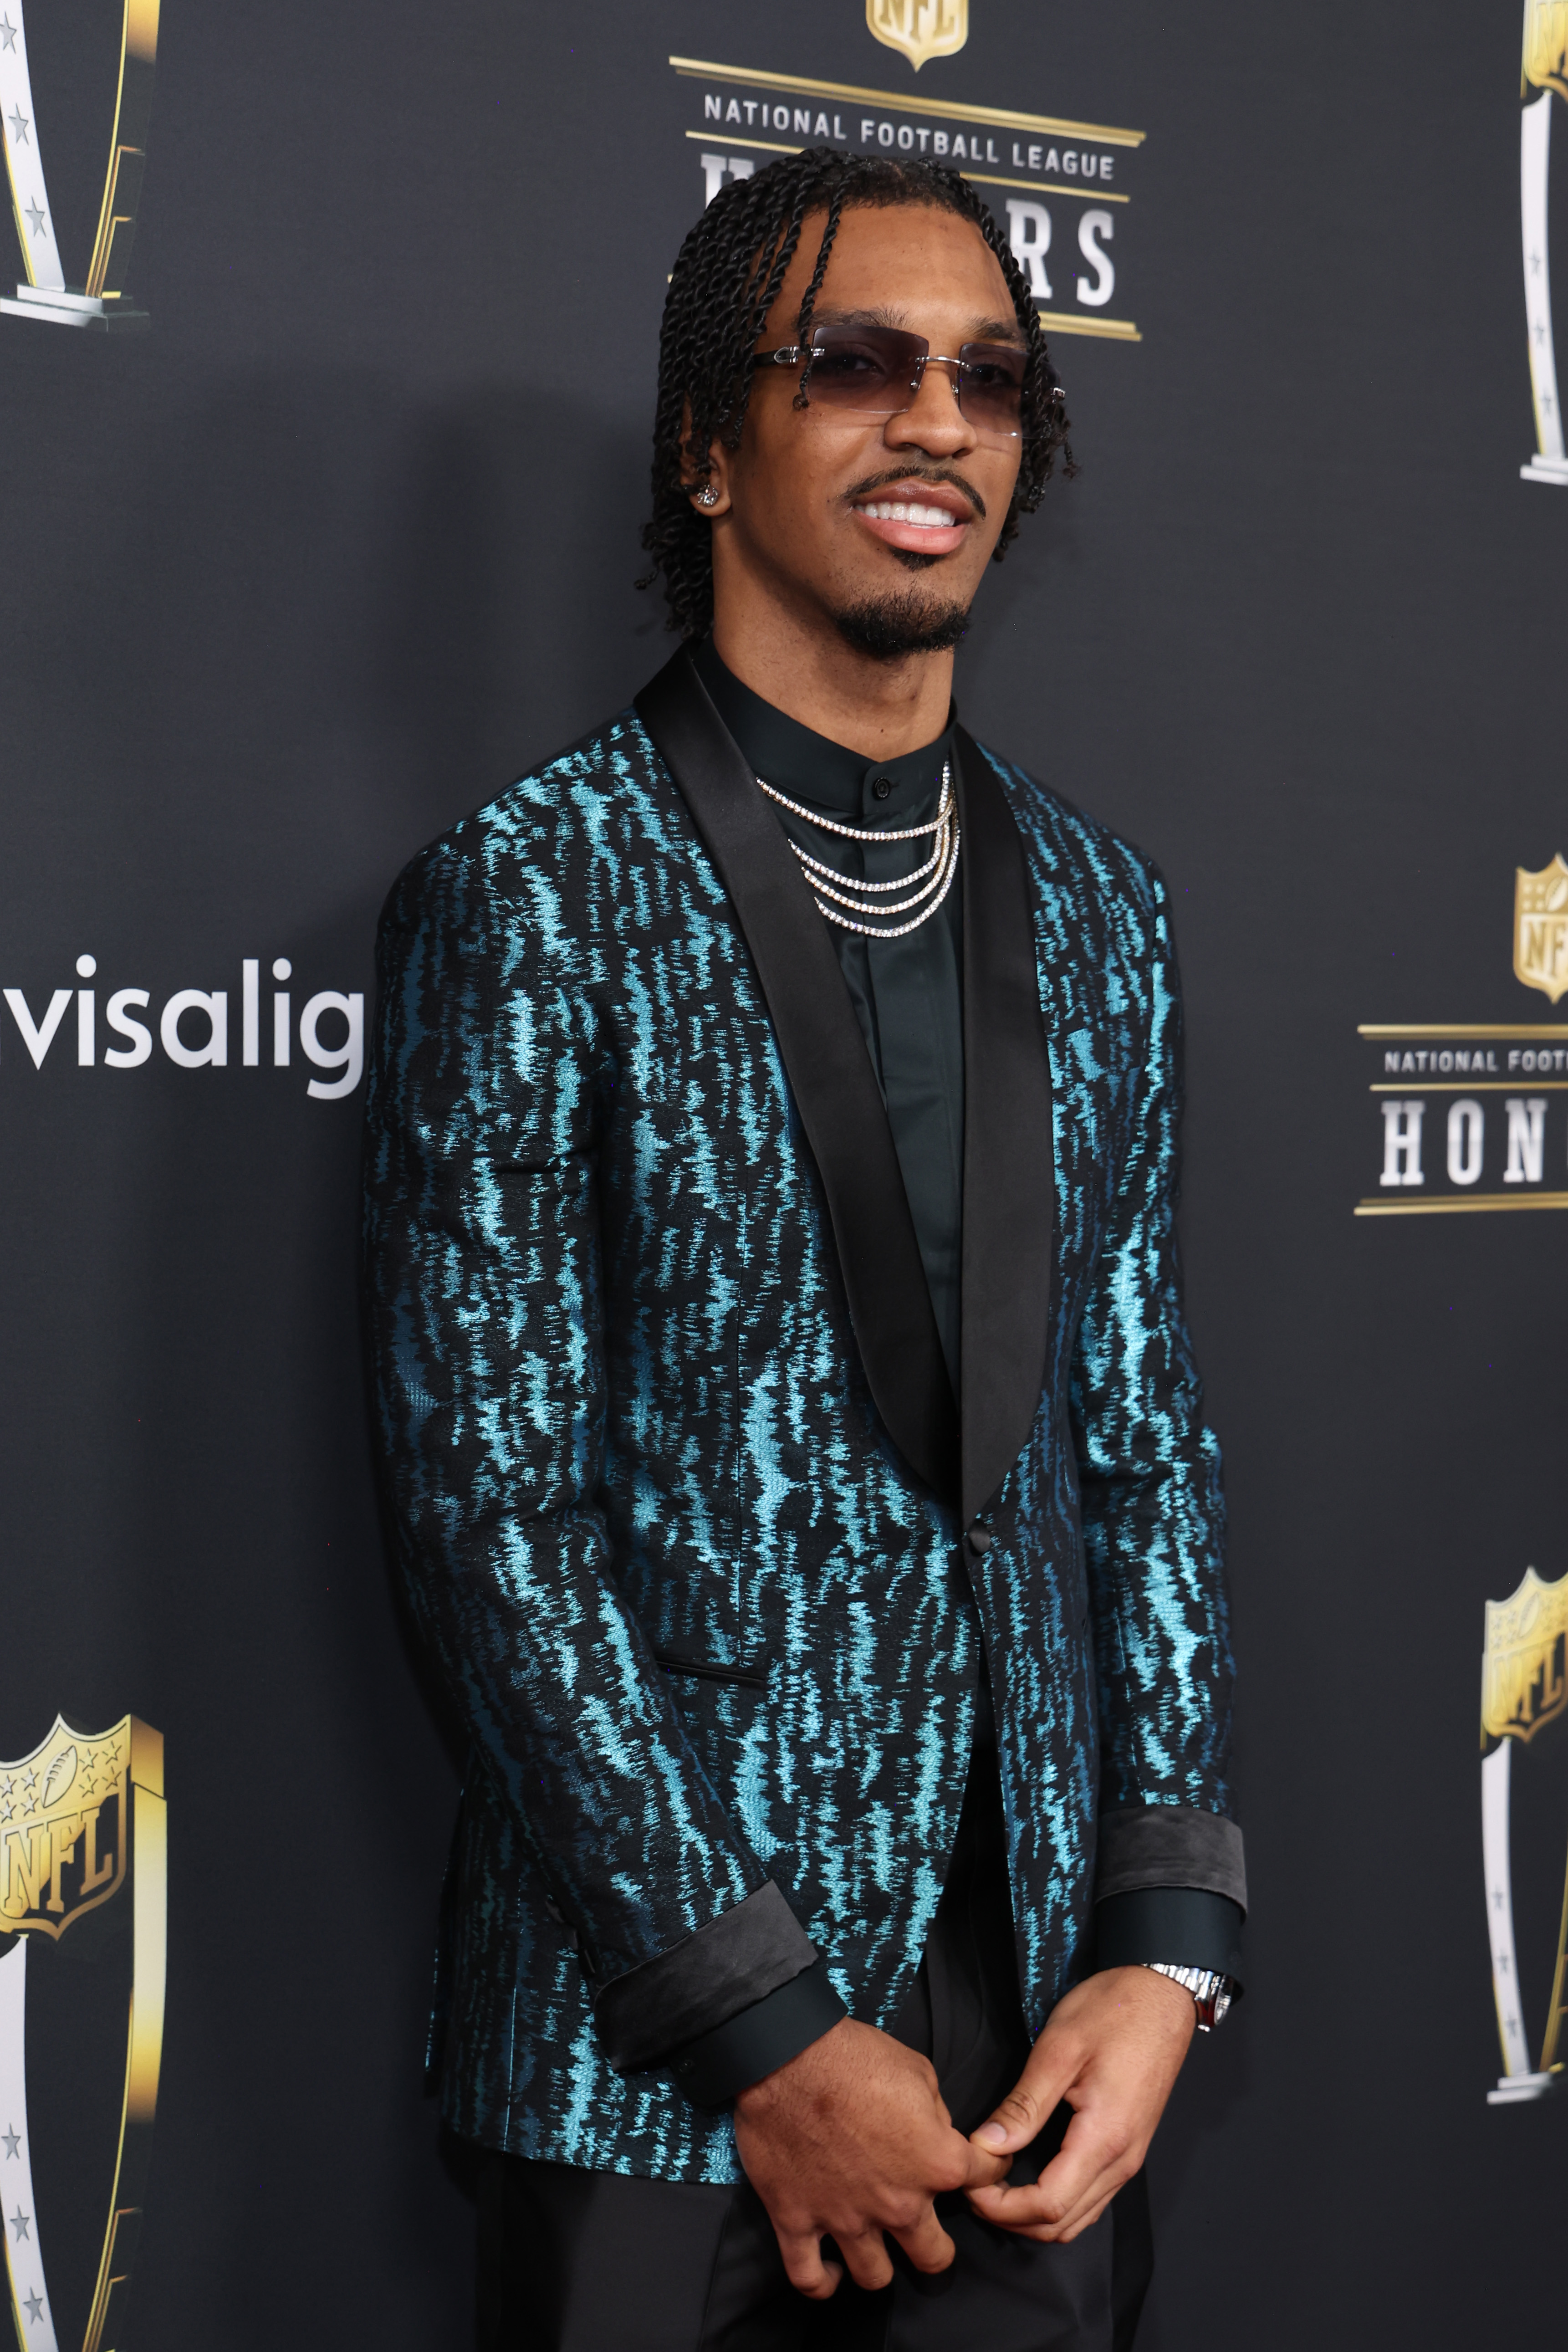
(1212, 1991)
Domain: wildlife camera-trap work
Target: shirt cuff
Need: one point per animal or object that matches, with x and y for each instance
(1186, 1927)
(718, 2066)
(748, 1952)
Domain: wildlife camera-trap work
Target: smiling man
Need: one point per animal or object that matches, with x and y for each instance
(794, 1446)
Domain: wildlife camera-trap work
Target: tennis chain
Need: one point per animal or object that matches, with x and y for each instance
(862, 899)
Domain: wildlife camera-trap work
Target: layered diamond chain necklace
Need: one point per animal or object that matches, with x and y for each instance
(863, 898)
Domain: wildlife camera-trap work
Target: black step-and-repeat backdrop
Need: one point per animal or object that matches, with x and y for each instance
(327, 347)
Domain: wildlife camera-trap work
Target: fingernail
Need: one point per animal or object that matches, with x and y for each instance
(993, 2135)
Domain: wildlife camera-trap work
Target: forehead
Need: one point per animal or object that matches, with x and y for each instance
(909, 264)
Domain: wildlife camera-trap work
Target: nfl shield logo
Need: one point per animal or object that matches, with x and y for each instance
(922, 29)
(1524, 1687)
(82, 1870)
(1524, 1668)
(1541, 928)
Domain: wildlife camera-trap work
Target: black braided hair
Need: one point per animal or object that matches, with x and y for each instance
(725, 282)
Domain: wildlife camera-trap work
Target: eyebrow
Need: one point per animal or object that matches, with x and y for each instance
(980, 330)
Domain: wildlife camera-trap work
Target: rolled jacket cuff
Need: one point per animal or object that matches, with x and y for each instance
(1183, 1926)
(748, 1952)
(718, 2066)
(1169, 1845)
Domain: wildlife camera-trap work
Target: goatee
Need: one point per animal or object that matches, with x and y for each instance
(890, 629)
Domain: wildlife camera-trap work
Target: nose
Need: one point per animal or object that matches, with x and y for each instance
(933, 421)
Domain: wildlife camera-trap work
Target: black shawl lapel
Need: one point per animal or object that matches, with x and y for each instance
(829, 1070)
(1008, 1159)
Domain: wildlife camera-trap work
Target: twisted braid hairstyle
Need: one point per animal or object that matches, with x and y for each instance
(725, 282)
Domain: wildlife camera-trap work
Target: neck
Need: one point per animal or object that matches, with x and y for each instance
(879, 709)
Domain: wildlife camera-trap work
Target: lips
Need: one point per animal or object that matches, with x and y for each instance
(923, 518)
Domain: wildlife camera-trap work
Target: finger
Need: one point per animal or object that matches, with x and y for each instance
(1015, 2218)
(1070, 2193)
(1008, 2208)
(1053, 2064)
(985, 2166)
(1100, 2150)
(1075, 2228)
(927, 2244)
(868, 2259)
(804, 2264)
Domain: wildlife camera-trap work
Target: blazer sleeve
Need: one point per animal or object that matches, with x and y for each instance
(490, 1073)
(1154, 1514)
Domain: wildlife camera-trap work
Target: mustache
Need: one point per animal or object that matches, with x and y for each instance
(949, 474)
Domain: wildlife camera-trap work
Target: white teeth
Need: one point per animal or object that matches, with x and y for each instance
(900, 510)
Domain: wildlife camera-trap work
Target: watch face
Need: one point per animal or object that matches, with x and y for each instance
(1213, 2003)
(1210, 1990)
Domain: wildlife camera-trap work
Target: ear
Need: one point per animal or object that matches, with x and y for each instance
(715, 481)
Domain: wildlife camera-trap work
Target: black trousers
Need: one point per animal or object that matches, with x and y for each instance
(604, 2261)
(596, 2262)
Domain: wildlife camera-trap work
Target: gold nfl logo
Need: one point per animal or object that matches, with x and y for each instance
(922, 29)
(1524, 1687)
(1541, 928)
(82, 1828)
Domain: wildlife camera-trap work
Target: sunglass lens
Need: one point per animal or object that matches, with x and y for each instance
(990, 388)
(868, 371)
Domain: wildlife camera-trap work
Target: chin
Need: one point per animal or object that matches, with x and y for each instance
(901, 621)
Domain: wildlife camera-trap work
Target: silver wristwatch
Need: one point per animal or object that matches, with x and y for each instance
(1212, 1991)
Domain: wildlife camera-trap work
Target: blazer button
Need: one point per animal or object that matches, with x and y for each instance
(979, 1541)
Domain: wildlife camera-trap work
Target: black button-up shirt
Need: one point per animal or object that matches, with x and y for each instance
(964, 2011)
(908, 992)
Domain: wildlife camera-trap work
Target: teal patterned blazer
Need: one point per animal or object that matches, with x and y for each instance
(705, 1551)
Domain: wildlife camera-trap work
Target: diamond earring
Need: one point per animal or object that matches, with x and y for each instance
(707, 496)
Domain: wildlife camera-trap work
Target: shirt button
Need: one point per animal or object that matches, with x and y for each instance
(881, 789)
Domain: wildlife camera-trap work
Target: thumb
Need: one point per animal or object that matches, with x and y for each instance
(1032, 2100)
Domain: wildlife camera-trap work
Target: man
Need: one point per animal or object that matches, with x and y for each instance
(794, 1448)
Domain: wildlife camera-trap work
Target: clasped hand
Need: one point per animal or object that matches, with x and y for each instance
(851, 2139)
